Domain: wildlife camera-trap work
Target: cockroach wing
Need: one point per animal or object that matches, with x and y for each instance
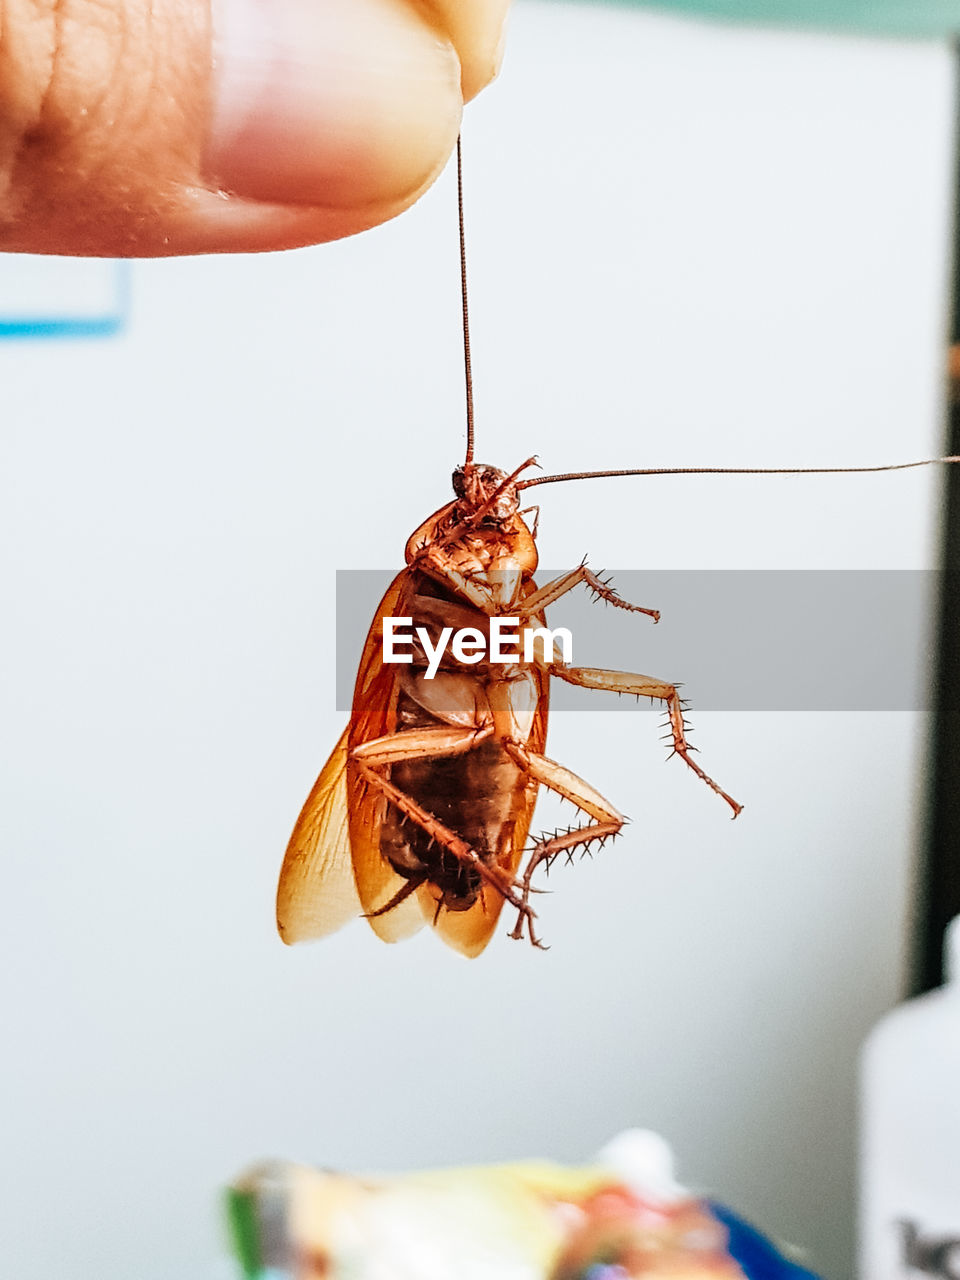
(376, 880)
(317, 893)
(374, 715)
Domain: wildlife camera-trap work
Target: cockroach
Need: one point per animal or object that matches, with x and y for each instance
(422, 813)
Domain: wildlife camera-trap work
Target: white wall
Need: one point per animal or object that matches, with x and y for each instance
(688, 245)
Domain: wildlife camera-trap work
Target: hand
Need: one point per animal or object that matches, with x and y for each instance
(151, 127)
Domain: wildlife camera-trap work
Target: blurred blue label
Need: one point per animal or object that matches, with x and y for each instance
(48, 297)
(755, 1254)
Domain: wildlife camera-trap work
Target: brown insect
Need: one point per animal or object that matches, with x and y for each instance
(422, 813)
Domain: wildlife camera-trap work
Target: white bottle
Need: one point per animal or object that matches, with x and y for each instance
(910, 1136)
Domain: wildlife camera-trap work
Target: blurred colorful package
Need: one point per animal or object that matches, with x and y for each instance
(621, 1217)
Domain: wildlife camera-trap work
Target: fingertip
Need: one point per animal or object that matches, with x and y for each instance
(478, 32)
(344, 104)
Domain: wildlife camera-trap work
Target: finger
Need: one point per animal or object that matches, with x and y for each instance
(146, 127)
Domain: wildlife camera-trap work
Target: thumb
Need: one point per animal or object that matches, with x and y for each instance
(150, 127)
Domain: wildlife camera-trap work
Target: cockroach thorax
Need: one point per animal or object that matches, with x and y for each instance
(475, 484)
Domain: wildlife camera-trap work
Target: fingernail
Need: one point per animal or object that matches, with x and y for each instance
(341, 103)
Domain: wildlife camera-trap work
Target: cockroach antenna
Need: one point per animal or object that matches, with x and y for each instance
(632, 471)
(466, 319)
(734, 471)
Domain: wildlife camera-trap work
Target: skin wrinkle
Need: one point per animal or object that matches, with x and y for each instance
(182, 138)
(74, 120)
(64, 116)
(57, 48)
(20, 99)
(140, 111)
(79, 144)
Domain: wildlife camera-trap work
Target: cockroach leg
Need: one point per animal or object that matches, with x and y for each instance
(525, 511)
(437, 562)
(552, 591)
(547, 850)
(420, 744)
(563, 781)
(517, 932)
(645, 687)
(442, 834)
(402, 894)
(607, 820)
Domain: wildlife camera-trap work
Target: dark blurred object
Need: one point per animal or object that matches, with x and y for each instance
(938, 875)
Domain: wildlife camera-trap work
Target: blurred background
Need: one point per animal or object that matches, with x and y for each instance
(689, 244)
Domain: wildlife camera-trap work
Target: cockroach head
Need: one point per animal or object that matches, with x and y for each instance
(475, 484)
